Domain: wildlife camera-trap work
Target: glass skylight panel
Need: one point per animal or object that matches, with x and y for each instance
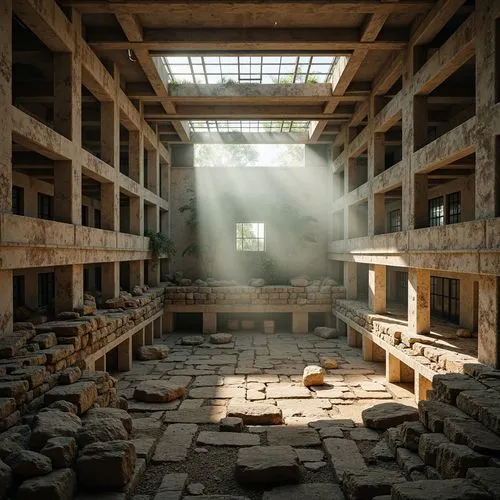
(249, 69)
(244, 126)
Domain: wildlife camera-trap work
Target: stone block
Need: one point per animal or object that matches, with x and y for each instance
(82, 394)
(221, 338)
(260, 465)
(26, 464)
(487, 478)
(293, 436)
(231, 424)
(313, 375)
(387, 415)
(411, 432)
(111, 413)
(158, 391)
(428, 445)
(101, 430)
(255, 413)
(472, 433)
(58, 485)
(448, 386)
(344, 456)
(325, 332)
(483, 405)
(227, 439)
(367, 484)
(432, 414)
(151, 352)
(192, 340)
(106, 466)
(61, 451)
(451, 489)
(70, 375)
(453, 460)
(53, 423)
(309, 491)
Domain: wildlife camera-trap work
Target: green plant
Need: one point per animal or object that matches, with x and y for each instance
(160, 244)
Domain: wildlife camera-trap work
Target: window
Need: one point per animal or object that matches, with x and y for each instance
(86, 279)
(17, 200)
(97, 218)
(250, 237)
(453, 208)
(98, 278)
(445, 298)
(45, 206)
(436, 211)
(18, 291)
(85, 215)
(395, 220)
(401, 295)
(46, 289)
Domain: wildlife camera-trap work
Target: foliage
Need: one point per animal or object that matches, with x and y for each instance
(192, 208)
(226, 155)
(160, 244)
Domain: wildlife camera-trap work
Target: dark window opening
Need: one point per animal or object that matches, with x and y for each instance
(454, 207)
(395, 220)
(18, 291)
(85, 215)
(436, 211)
(45, 206)
(97, 218)
(445, 298)
(401, 295)
(98, 277)
(17, 200)
(46, 289)
(86, 279)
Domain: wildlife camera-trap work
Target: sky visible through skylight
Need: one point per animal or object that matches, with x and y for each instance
(243, 126)
(249, 69)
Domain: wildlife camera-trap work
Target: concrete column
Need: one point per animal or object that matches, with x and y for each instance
(300, 322)
(138, 340)
(396, 371)
(68, 192)
(6, 122)
(110, 277)
(487, 164)
(110, 206)
(136, 156)
(351, 280)
(378, 162)
(100, 364)
(377, 288)
(420, 121)
(6, 304)
(467, 310)
(376, 214)
(153, 272)
(209, 322)
(125, 355)
(148, 334)
(422, 385)
(352, 174)
(153, 180)
(136, 273)
(354, 338)
(371, 351)
(158, 327)
(136, 215)
(68, 287)
(488, 342)
(168, 321)
(420, 201)
(164, 181)
(419, 307)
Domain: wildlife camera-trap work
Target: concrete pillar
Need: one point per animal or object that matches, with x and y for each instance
(422, 385)
(419, 307)
(209, 322)
(488, 342)
(153, 272)
(487, 163)
(110, 206)
(376, 214)
(31, 288)
(6, 303)
(467, 310)
(396, 371)
(352, 174)
(138, 339)
(420, 201)
(420, 120)
(100, 364)
(136, 273)
(300, 322)
(136, 215)
(377, 165)
(164, 181)
(68, 192)
(136, 156)
(377, 288)
(158, 327)
(351, 280)
(168, 321)
(354, 338)
(125, 355)
(371, 351)
(110, 277)
(110, 131)
(68, 287)
(148, 334)
(153, 180)
(6, 125)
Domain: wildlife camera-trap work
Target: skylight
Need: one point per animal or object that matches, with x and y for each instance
(244, 126)
(249, 69)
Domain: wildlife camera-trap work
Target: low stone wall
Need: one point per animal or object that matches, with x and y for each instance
(314, 294)
(36, 358)
(441, 351)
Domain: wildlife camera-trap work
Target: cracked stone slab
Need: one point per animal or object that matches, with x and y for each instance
(344, 456)
(277, 391)
(293, 436)
(173, 446)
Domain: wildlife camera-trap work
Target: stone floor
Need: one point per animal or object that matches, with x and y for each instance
(186, 453)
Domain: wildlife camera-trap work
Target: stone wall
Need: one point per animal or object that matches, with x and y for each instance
(314, 294)
(35, 358)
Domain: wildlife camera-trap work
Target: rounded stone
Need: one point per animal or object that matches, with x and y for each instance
(158, 391)
(26, 464)
(313, 375)
(464, 333)
(329, 363)
(231, 424)
(151, 352)
(221, 338)
(192, 340)
(196, 488)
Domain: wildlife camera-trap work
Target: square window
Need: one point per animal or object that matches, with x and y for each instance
(250, 237)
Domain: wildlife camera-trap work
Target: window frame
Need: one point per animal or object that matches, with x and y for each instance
(45, 206)
(259, 239)
(453, 207)
(394, 228)
(436, 205)
(445, 298)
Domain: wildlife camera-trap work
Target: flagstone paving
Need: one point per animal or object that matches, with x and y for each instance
(256, 377)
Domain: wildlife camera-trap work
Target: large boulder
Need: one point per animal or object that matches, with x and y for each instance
(26, 464)
(58, 485)
(5, 479)
(101, 430)
(221, 338)
(387, 415)
(106, 466)
(61, 451)
(151, 352)
(158, 391)
(300, 281)
(53, 423)
(116, 413)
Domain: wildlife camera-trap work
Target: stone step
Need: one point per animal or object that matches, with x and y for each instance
(472, 433)
(433, 413)
(483, 405)
(369, 483)
(453, 460)
(487, 478)
(344, 456)
(448, 386)
(448, 489)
